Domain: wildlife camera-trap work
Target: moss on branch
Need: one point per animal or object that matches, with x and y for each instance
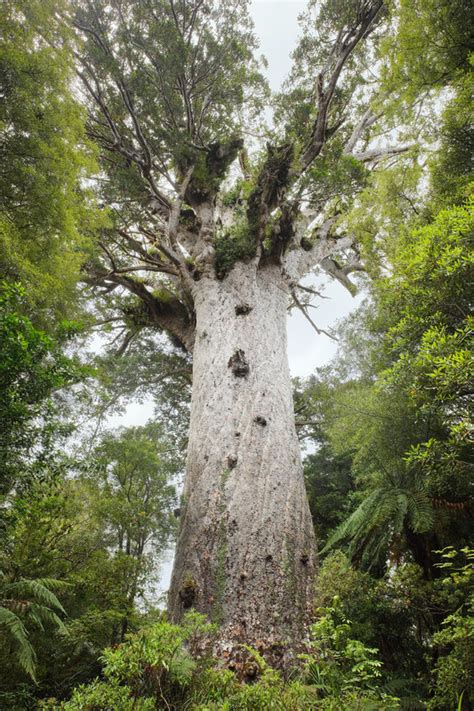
(231, 245)
(272, 181)
(210, 168)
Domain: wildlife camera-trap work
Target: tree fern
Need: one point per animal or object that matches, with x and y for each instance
(18, 635)
(28, 602)
(371, 529)
(420, 510)
(35, 590)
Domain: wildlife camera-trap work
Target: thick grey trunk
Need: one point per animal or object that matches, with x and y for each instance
(246, 550)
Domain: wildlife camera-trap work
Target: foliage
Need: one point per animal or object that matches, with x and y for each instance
(235, 244)
(47, 216)
(412, 424)
(32, 368)
(330, 485)
(338, 663)
(452, 680)
(148, 368)
(101, 531)
(451, 171)
(430, 47)
(393, 614)
(25, 604)
(165, 666)
(89, 529)
(328, 475)
(132, 470)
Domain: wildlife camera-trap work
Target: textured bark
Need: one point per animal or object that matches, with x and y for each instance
(246, 551)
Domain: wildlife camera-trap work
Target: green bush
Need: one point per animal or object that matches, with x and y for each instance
(344, 670)
(452, 679)
(168, 666)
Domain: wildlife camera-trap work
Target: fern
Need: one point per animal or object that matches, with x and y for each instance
(37, 590)
(24, 602)
(371, 528)
(18, 634)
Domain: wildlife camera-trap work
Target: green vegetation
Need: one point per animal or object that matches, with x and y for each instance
(47, 216)
(236, 243)
(87, 511)
(167, 665)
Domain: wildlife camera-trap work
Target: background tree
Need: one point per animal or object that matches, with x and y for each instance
(47, 215)
(95, 527)
(135, 503)
(33, 368)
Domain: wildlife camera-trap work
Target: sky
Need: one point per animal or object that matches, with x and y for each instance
(276, 26)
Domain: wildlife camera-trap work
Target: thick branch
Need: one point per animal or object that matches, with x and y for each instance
(340, 273)
(168, 314)
(313, 250)
(367, 120)
(328, 78)
(375, 155)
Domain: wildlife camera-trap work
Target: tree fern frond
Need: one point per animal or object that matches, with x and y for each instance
(17, 632)
(35, 590)
(42, 616)
(355, 524)
(369, 530)
(28, 602)
(53, 583)
(399, 511)
(420, 510)
(26, 657)
(14, 625)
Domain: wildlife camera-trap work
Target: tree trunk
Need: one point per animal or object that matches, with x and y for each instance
(246, 550)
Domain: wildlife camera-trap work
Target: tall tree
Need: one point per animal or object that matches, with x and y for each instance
(134, 501)
(212, 258)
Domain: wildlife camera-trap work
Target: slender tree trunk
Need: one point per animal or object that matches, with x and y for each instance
(422, 548)
(246, 550)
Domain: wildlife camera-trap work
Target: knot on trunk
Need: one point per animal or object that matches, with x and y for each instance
(188, 592)
(239, 364)
(242, 309)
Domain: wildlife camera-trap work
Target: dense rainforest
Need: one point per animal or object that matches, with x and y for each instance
(156, 225)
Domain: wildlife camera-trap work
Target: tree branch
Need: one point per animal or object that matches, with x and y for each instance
(326, 85)
(375, 155)
(169, 314)
(304, 311)
(367, 120)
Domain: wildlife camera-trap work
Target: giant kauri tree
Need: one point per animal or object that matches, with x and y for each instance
(213, 222)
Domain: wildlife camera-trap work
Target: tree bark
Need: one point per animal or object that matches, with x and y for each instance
(246, 552)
